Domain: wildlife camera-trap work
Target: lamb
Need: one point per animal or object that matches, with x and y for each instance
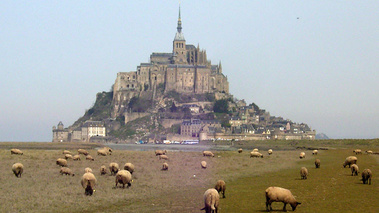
(164, 157)
(113, 168)
(317, 163)
(302, 155)
(124, 177)
(83, 152)
(129, 167)
(203, 164)
(89, 182)
(68, 156)
(165, 166)
(278, 194)
(357, 151)
(76, 157)
(87, 170)
(66, 171)
(239, 150)
(16, 152)
(366, 176)
(369, 152)
(208, 154)
(160, 152)
(211, 201)
(269, 152)
(256, 155)
(17, 169)
(89, 157)
(220, 187)
(67, 152)
(61, 162)
(103, 170)
(255, 150)
(350, 160)
(315, 152)
(354, 169)
(303, 173)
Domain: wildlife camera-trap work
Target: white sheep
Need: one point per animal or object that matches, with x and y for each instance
(269, 151)
(16, 152)
(87, 170)
(160, 152)
(354, 169)
(208, 154)
(211, 200)
(164, 157)
(255, 150)
(203, 164)
(303, 173)
(240, 150)
(76, 157)
(89, 157)
(129, 167)
(89, 182)
(256, 155)
(68, 156)
(103, 170)
(221, 187)
(67, 152)
(113, 168)
(66, 171)
(302, 155)
(369, 152)
(349, 161)
(102, 152)
(83, 152)
(61, 162)
(124, 177)
(17, 169)
(317, 163)
(357, 151)
(165, 166)
(366, 176)
(278, 194)
(315, 152)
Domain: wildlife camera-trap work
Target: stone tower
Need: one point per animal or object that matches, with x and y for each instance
(179, 45)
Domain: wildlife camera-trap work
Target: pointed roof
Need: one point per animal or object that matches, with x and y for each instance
(179, 35)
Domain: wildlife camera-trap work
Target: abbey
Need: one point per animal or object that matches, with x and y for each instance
(184, 70)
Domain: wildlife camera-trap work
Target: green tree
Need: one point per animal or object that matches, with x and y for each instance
(221, 106)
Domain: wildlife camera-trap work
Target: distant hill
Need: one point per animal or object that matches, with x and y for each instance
(321, 136)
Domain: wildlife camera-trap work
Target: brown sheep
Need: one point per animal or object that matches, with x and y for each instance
(164, 157)
(61, 162)
(76, 157)
(366, 176)
(68, 156)
(239, 150)
(317, 163)
(66, 171)
(211, 201)
(165, 166)
(303, 173)
(129, 167)
(67, 152)
(113, 168)
(203, 164)
(208, 154)
(354, 169)
(349, 161)
(103, 170)
(16, 152)
(278, 194)
(89, 157)
(89, 182)
(124, 177)
(221, 187)
(83, 152)
(17, 169)
(160, 152)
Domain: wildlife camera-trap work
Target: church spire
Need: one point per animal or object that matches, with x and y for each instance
(179, 22)
(179, 35)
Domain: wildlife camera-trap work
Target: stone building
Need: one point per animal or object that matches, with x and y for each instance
(60, 134)
(81, 134)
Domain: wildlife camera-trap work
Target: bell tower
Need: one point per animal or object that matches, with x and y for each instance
(179, 44)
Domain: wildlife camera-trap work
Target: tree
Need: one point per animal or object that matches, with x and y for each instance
(221, 106)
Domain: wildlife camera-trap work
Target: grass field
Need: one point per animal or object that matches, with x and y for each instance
(180, 189)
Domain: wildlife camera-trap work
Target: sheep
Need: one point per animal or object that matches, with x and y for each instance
(354, 169)
(317, 163)
(165, 166)
(129, 167)
(255, 150)
(61, 162)
(108, 150)
(17, 169)
(67, 152)
(256, 155)
(303, 173)
(208, 154)
(160, 152)
(113, 168)
(357, 151)
(278, 194)
(83, 152)
(124, 177)
(102, 152)
(76, 157)
(68, 156)
(16, 152)
(350, 160)
(66, 171)
(315, 152)
(366, 176)
(211, 201)
(203, 164)
(87, 170)
(302, 155)
(89, 157)
(89, 182)
(369, 152)
(269, 152)
(103, 170)
(239, 150)
(221, 187)
(164, 157)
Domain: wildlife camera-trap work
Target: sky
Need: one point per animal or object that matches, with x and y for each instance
(313, 62)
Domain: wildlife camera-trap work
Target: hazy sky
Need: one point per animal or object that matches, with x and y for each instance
(315, 62)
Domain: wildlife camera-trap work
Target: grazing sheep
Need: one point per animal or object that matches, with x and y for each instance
(211, 201)
(315, 152)
(317, 163)
(366, 176)
(269, 152)
(255, 150)
(256, 155)
(354, 169)
(221, 187)
(66, 171)
(350, 160)
(89, 157)
(124, 177)
(67, 152)
(203, 164)
(68, 156)
(113, 168)
(129, 167)
(83, 152)
(369, 152)
(160, 152)
(239, 150)
(108, 150)
(89, 182)
(61, 162)
(357, 151)
(278, 194)
(208, 154)
(164, 157)
(102, 152)
(87, 169)
(17, 169)
(76, 157)
(165, 166)
(16, 152)
(302, 155)
(103, 170)
(303, 173)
